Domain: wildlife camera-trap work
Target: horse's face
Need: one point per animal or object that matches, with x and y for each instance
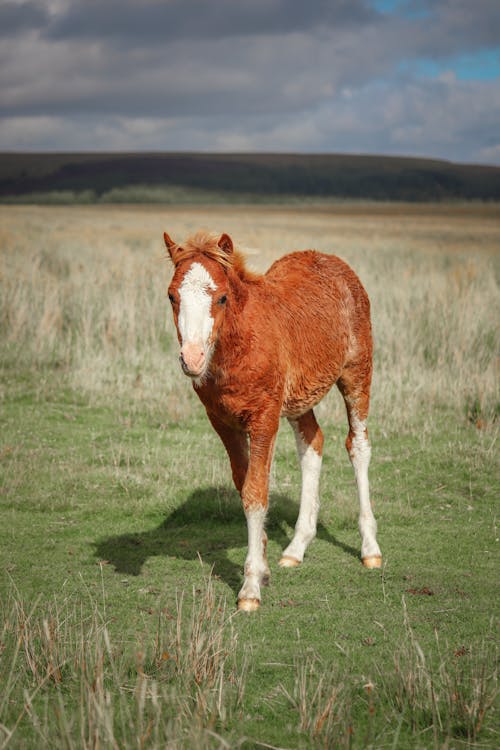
(198, 294)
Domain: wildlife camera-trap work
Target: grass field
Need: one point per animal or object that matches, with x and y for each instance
(123, 540)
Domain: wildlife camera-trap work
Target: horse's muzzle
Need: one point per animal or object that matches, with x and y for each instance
(185, 368)
(192, 359)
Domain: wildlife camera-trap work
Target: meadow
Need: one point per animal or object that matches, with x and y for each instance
(123, 540)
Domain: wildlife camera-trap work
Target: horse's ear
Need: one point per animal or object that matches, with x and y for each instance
(226, 244)
(170, 245)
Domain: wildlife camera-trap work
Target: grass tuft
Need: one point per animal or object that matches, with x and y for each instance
(177, 690)
(449, 699)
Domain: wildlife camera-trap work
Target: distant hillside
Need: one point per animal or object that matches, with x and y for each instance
(155, 176)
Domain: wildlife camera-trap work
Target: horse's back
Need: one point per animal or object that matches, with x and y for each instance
(314, 281)
(311, 266)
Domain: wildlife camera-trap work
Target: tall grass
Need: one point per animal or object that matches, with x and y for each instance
(418, 700)
(83, 306)
(84, 292)
(436, 339)
(176, 687)
(69, 680)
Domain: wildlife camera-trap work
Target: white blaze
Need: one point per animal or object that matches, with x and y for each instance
(195, 321)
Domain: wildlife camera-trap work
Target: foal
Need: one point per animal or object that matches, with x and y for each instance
(261, 347)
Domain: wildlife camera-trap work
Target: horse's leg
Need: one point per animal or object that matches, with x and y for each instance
(236, 445)
(356, 393)
(309, 439)
(255, 501)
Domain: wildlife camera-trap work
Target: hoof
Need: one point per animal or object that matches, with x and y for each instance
(288, 562)
(374, 561)
(248, 605)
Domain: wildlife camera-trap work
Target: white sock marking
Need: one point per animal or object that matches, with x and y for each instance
(305, 528)
(360, 458)
(255, 565)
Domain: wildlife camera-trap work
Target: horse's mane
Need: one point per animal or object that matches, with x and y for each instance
(206, 243)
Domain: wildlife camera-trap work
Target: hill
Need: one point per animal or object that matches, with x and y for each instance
(136, 177)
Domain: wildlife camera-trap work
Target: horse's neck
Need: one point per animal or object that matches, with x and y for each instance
(237, 326)
(241, 291)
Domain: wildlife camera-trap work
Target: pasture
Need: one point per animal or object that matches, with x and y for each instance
(123, 540)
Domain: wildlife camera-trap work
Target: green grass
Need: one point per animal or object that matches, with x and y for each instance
(123, 540)
(109, 518)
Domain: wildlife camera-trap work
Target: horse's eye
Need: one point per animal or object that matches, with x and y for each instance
(222, 300)
(171, 298)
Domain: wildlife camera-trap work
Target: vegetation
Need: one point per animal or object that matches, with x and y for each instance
(123, 540)
(222, 178)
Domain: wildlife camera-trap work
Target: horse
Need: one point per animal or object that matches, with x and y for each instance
(258, 347)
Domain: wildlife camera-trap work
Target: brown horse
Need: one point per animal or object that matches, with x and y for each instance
(261, 347)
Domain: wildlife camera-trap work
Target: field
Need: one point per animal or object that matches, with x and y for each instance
(123, 540)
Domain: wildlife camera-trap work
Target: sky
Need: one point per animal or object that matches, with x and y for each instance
(395, 77)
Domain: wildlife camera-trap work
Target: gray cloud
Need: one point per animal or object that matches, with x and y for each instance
(199, 19)
(431, 27)
(18, 17)
(267, 74)
(450, 27)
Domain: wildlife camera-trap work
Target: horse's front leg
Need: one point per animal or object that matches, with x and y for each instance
(236, 445)
(255, 501)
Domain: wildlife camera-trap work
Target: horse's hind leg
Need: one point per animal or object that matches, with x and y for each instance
(356, 397)
(309, 439)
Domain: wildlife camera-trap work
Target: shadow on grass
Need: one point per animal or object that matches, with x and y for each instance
(210, 522)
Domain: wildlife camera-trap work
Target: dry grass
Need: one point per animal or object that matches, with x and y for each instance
(173, 691)
(83, 305)
(436, 698)
(83, 290)
(68, 682)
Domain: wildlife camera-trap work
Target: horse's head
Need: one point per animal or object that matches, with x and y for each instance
(198, 294)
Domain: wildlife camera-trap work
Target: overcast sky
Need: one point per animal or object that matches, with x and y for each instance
(412, 77)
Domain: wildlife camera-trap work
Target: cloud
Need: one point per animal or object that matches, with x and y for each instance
(450, 119)
(153, 20)
(270, 74)
(450, 27)
(19, 17)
